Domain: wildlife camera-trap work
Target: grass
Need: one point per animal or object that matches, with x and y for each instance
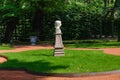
(80, 43)
(74, 61)
(5, 47)
(92, 44)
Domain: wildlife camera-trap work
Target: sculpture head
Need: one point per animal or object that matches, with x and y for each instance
(58, 23)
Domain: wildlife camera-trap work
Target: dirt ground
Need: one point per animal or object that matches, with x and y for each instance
(23, 75)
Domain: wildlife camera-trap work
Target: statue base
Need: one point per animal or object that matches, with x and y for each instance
(58, 48)
(58, 52)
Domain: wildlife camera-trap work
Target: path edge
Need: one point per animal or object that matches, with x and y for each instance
(65, 74)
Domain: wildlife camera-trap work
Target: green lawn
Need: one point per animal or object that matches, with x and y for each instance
(92, 44)
(74, 61)
(5, 47)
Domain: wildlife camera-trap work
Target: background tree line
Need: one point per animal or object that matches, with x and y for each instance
(81, 18)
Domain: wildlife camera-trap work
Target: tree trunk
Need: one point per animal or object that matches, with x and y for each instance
(109, 17)
(118, 36)
(118, 29)
(38, 21)
(37, 24)
(10, 26)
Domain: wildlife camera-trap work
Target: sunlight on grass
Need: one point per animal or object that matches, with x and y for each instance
(92, 44)
(73, 61)
(5, 47)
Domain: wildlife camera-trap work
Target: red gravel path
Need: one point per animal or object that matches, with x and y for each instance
(22, 75)
(113, 51)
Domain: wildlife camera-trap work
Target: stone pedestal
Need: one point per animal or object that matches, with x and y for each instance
(58, 47)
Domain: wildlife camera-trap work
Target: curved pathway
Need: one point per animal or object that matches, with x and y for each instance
(22, 75)
(112, 51)
(25, 48)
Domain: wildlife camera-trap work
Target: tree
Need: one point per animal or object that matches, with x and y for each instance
(44, 8)
(9, 14)
(117, 9)
(12, 11)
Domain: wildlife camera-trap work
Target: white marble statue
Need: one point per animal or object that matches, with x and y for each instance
(57, 26)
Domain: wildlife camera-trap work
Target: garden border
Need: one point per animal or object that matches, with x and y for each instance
(65, 74)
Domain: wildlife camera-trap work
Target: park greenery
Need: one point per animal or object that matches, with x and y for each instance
(91, 44)
(81, 19)
(72, 44)
(85, 24)
(6, 47)
(43, 61)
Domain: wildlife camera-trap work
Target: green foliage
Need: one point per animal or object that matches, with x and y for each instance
(5, 47)
(9, 9)
(43, 61)
(81, 20)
